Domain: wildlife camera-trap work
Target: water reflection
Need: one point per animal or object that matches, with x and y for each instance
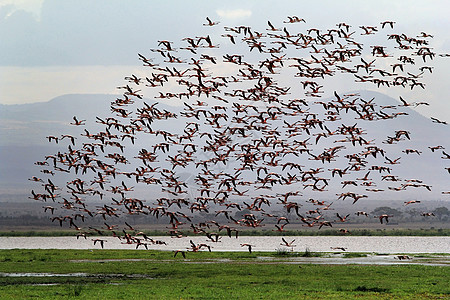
(378, 244)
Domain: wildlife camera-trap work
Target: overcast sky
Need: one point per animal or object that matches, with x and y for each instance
(55, 47)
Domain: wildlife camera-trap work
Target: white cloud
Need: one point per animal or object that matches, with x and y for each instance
(31, 6)
(234, 13)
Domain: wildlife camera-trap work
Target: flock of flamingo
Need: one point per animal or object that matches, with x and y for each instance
(247, 141)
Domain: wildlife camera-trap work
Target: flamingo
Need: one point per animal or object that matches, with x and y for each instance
(249, 246)
(99, 241)
(287, 244)
(183, 253)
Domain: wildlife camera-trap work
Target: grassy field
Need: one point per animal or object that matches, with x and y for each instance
(131, 274)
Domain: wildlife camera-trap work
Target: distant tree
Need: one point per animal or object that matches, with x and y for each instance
(386, 210)
(413, 213)
(441, 212)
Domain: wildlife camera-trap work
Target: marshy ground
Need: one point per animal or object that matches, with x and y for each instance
(131, 274)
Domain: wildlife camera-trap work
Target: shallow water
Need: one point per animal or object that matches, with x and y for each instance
(378, 244)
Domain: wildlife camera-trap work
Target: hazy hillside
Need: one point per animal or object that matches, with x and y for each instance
(23, 129)
(29, 124)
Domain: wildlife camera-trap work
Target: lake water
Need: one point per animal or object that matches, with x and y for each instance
(378, 244)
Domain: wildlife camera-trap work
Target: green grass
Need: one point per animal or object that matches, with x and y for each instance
(354, 254)
(227, 275)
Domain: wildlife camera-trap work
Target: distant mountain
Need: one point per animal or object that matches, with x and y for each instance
(28, 124)
(23, 131)
(24, 128)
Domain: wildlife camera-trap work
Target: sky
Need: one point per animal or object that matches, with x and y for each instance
(52, 47)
